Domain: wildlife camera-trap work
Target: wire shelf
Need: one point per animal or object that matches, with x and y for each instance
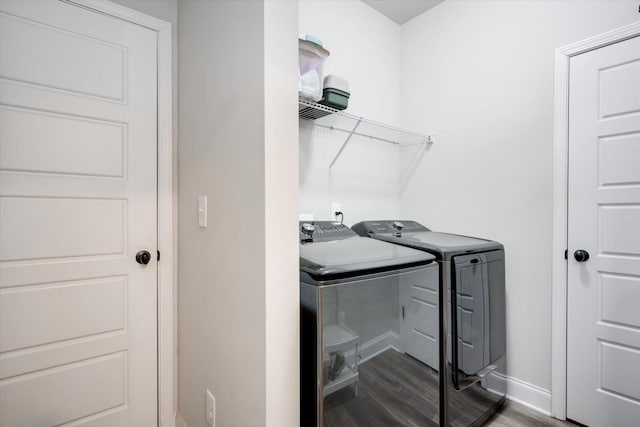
(350, 124)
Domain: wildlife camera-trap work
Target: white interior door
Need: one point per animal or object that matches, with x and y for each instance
(418, 296)
(77, 202)
(603, 348)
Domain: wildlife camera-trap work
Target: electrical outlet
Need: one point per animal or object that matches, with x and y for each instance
(335, 207)
(211, 409)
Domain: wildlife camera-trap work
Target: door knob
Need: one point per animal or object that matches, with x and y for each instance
(143, 257)
(581, 255)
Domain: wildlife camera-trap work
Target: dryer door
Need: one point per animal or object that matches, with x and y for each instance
(477, 322)
(468, 323)
(476, 319)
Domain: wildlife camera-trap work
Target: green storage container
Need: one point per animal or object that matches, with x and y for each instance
(335, 98)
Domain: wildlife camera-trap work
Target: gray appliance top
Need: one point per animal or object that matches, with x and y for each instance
(414, 235)
(330, 250)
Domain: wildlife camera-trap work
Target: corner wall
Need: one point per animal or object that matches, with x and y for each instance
(364, 50)
(282, 276)
(238, 279)
(481, 75)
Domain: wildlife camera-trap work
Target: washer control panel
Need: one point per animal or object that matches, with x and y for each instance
(323, 231)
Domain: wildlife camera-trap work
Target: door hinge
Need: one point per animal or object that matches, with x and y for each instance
(403, 312)
(566, 254)
(158, 259)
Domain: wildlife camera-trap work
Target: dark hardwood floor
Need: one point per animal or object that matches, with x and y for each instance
(393, 390)
(513, 414)
(396, 390)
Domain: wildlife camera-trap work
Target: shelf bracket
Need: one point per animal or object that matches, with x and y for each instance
(346, 141)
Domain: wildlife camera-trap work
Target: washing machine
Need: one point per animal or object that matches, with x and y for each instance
(354, 366)
(473, 329)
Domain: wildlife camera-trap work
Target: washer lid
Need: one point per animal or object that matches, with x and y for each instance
(355, 256)
(443, 245)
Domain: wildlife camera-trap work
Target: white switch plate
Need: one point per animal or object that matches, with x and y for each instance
(202, 211)
(335, 207)
(211, 409)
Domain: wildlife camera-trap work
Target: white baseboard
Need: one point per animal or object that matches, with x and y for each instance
(180, 422)
(379, 344)
(522, 392)
(375, 346)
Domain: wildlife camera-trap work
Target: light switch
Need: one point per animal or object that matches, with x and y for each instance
(202, 211)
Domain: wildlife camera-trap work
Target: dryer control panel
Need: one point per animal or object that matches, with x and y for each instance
(388, 227)
(323, 231)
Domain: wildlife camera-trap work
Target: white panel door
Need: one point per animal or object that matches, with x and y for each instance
(603, 336)
(418, 296)
(77, 202)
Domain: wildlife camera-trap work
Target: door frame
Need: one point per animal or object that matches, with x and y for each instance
(560, 220)
(167, 226)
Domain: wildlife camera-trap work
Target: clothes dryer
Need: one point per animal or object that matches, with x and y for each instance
(473, 326)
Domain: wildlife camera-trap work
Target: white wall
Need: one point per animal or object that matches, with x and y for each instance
(238, 280)
(480, 73)
(364, 50)
(282, 289)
